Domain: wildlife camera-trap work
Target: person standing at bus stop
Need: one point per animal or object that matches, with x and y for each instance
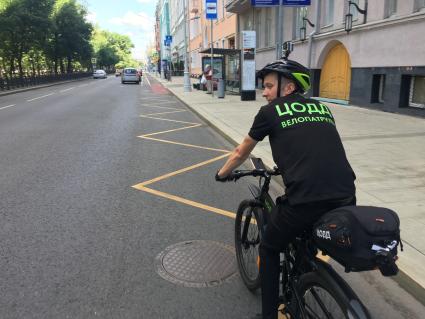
(208, 76)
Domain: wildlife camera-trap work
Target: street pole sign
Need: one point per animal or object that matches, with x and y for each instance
(296, 3)
(93, 60)
(211, 14)
(211, 9)
(264, 3)
(274, 3)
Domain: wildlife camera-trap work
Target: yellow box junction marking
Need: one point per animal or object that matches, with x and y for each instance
(142, 186)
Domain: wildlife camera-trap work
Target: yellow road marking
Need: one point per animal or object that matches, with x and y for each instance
(184, 144)
(186, 201)
(156, 179)
(173, 130)
(167, 112)
(160, 118)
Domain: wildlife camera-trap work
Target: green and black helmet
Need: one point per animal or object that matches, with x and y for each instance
(291, 70)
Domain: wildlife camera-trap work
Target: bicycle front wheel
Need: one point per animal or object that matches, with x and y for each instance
(248, 233)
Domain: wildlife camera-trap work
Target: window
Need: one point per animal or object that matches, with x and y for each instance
(300, 13)
(378, 88)
(417, 91)
(258, 23)
(328, 13)
(354, 11)
(268, 28)
(419, 4)
(390, 8)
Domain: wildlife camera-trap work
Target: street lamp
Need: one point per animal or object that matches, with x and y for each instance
(349, 16)
(304, 27)
(186, 79)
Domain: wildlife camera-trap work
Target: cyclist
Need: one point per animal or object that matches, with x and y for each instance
(308, 152)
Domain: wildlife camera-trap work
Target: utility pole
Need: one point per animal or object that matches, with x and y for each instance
(187, 86)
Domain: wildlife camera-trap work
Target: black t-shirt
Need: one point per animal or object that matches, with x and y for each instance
(306, 148)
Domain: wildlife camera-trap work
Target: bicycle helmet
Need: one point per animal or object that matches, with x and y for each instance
(291, 70)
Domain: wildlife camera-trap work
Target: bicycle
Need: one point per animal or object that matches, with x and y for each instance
(309, 287)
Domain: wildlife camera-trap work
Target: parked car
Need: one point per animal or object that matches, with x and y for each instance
(118, 72)
(99, 74)
(130, 75)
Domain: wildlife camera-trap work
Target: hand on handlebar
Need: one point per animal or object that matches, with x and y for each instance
(223, 179)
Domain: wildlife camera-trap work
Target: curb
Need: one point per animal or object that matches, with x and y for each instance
(41, 86)
(402, 279)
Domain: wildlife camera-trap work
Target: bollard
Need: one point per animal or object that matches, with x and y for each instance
(220, 88)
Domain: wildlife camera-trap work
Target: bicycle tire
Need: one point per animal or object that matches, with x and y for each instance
(321, 294)
(249, 218)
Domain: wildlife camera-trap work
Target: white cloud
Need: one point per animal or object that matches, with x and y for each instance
(91, 17)
(139, 20)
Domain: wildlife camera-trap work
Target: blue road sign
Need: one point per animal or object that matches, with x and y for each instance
(296, 2)
(211, 9)
(264, 3)
(169, 38)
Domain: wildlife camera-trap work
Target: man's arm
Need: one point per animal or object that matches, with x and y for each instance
(238, 156)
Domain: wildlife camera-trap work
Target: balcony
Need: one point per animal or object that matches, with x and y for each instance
(238, 6)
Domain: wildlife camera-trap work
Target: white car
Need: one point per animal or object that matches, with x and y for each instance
(99, 74)
(130, 75)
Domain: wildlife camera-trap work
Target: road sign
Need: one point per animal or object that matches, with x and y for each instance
(296, 3)
(264, 3)
(93, 60)
(211, 9)
(169, 38)
(166, 43)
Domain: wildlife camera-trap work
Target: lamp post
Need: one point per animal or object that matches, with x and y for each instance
(348, 25)
(187, 86)
(304, 27)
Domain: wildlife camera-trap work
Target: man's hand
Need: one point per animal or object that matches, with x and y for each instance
(221, 179)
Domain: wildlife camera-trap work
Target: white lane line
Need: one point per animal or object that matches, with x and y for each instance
(148, 81)
(40, 97)
(67, 89)
(5, 107)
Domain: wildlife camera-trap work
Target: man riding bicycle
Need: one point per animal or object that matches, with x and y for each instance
(310, 156)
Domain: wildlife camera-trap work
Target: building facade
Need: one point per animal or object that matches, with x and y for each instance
(224, 31)
(379, 64)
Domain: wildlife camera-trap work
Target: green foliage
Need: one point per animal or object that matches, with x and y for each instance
(111, 49)
(39, 36)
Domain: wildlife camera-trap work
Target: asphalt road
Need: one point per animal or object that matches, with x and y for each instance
(86, 207)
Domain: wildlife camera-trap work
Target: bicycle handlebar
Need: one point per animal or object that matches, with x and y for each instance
(235, 175)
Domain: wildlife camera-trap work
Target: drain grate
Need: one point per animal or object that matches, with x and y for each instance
(197, 263)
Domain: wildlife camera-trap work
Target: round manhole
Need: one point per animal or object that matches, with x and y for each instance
(197, 263)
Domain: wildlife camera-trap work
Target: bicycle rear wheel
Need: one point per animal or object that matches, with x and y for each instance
(248, 233)
(323, 298)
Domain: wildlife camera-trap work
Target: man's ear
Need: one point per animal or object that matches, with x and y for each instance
(288, 89)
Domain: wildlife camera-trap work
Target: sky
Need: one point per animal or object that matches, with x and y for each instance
(135, 18)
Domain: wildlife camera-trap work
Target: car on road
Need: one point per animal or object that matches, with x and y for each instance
(99, 74)
(130, 75)
(118, 72)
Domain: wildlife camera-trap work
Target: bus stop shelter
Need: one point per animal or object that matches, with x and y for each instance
(226, 66)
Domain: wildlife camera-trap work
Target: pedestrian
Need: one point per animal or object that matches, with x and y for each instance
(309, 153)
(208, 73)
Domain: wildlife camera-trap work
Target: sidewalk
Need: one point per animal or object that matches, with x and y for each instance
(386, 151)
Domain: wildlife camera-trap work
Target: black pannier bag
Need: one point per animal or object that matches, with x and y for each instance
(360, 238)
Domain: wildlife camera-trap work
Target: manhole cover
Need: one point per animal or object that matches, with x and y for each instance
(197, 263)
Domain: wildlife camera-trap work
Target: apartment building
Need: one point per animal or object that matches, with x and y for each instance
(379, 64)
(224, 31)
(163, 17)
